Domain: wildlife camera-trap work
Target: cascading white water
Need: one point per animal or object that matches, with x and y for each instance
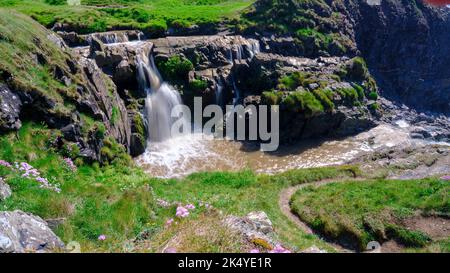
(161, 98)
(246, 50)
(219, 92)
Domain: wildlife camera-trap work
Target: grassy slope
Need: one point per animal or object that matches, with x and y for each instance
(21, 40)
(119, 201)
(365, 210)
(143, 14)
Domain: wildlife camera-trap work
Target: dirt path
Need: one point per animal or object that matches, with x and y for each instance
(285, 197)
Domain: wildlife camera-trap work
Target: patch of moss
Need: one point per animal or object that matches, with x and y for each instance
(357, 69)
(303, 101)
(271, 97)
(324, 99)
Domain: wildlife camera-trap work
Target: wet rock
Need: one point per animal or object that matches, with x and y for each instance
(22, 232)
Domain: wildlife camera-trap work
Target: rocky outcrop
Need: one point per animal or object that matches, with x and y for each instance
(73, 39)
(10, 107)
(50, 84)
(22, 232)
(404, 45)
(256, 227)
(5, 190)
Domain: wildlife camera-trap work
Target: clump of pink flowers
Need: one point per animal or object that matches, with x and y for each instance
(279, 249)
(170, 250)
(255, 250)
(190, 206)
(5, 164)
(30, 172)
(446, 177)
(182, 212)
(163, 203)
(102, 237)
(169, 222)
(70, 164)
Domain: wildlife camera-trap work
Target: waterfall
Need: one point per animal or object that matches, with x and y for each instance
(219, 92)
(247, 50)
(161, 98)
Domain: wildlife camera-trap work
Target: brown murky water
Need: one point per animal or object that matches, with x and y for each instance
(179, 157)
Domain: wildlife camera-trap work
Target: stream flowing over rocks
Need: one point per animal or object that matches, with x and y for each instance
(123, 81)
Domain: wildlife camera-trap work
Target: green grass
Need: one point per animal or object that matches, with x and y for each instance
(147, 15)
(21, 42)
(372, 210)
(119, 200)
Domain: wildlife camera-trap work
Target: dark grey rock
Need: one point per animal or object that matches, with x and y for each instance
(10, 107)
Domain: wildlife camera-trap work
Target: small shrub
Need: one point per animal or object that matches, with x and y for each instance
(374, 106)
(373, 95)
(198, 85)
(176, 68)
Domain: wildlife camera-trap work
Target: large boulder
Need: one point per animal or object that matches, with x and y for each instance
(22, 232)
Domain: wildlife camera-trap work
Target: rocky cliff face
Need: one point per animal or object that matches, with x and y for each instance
(404, 42)
(406, 46)
(41, 80)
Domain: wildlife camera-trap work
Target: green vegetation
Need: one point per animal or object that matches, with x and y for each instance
(373, 210)
(357, 69)
(24, 44)
(295, 80)
(303, 101)
(311, 22)
(373, 95)
(120, 201)
(198, 85)
(271, 97)
(176, 68)
(349, 94)
(151, 16)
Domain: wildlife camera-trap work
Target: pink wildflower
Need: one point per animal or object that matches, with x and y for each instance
(5, 164)
(182, 212)
(170, 250)
(169, 222)
(255, 250)
(70, 164)
(279, 249)
(102, 237)
(446, 177)
(190, 207)
(163, 203)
